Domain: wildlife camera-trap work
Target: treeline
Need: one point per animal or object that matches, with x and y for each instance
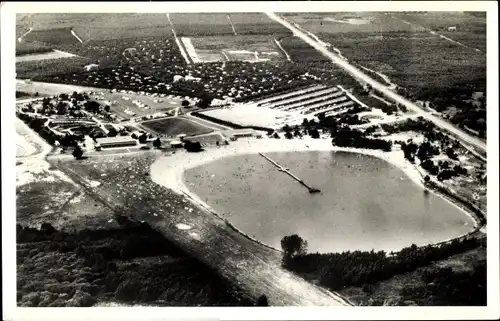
(460, 97)
(347, 137)
(338, 270)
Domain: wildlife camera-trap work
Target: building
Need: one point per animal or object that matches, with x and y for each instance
(241, 133)
(118, 141)
(176, 144)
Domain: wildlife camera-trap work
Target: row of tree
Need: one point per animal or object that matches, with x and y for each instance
(338, 270)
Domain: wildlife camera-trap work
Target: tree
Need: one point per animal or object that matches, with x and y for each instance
(143, 138)
(112, 132)
(77, 153)
(192, 146)
(107, 108)
(427, 178)
(185, 103)
(262, 301)
(205, 102)
(293, 245)
(288, 135)
(451, 153)
(276, 135)
(157, 143)
(314, 133)
(61, 108)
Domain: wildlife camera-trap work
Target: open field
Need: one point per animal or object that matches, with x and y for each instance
(95, 26)
(345, 22)
(55, 37)
(43, 56)
(256, 24)
(201, 24)
(300, 52)
(469, 27)
(245, 47)
(175, 126)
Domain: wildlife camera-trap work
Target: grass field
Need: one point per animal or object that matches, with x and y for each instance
(236, 47)
(175, 126)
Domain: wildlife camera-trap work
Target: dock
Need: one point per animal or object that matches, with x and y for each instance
(311, 189)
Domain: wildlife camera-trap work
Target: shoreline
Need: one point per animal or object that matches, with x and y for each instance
(169, 171)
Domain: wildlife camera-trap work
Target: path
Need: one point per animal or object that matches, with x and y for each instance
(358, 74)
(178, 42)
(282, 49)
(232, 26)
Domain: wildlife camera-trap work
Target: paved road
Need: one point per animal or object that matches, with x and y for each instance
(355, 72)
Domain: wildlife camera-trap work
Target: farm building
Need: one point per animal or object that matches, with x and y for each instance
(118, 141)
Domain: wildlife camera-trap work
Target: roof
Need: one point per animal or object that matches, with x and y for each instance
(175, 142)
(117, 139)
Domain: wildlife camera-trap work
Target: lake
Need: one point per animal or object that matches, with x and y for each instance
(365, 203)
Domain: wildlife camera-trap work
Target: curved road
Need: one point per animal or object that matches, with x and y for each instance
(355, 72)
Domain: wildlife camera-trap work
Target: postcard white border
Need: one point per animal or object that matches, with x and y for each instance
(11, 312)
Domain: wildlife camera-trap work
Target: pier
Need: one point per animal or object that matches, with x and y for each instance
(311, 189)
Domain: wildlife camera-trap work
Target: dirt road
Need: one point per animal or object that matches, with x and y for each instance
(358, 74)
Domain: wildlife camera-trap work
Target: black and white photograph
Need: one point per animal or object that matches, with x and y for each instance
(262, 154)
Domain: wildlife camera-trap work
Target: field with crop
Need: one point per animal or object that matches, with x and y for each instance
(175, 126)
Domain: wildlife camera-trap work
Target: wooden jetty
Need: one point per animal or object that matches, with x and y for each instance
(311, 189)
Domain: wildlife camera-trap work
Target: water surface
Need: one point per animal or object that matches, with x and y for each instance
(365, 203)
